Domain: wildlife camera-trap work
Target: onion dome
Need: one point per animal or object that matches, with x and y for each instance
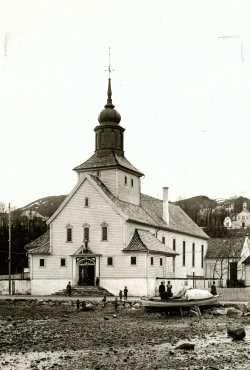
(109, 115)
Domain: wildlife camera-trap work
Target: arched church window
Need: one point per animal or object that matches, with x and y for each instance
(86, 232)
(104, 226)
(69, 233)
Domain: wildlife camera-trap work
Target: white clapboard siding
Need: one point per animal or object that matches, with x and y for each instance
(247, 276)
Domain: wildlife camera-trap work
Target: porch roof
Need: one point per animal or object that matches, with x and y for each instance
(145, 241)
(83, 252)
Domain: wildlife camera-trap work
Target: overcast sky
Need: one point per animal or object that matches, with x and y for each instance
(180, 82)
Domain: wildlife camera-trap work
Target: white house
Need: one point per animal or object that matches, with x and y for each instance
(106, 228)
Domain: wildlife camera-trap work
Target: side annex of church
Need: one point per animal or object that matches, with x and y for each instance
(107, 228)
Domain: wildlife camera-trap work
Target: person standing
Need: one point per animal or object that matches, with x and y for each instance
(97, 281)
(77, 304)
(161, 288)
(125, 293)
(213, 289)
(116, 303)
(104, 301)
(68, 289)
(120, 295)
(169, 289)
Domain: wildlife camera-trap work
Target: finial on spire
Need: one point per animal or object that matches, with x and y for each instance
(109, 70)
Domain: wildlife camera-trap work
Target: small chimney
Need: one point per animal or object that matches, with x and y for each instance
(165, 214)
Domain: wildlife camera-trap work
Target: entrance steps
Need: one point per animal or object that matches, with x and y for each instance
(81, 291)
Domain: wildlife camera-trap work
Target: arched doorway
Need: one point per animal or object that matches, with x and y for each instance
(86, 271)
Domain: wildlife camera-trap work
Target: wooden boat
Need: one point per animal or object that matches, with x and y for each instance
(155, 302)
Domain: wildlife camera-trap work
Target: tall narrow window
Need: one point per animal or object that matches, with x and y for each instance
(104, 226)
(174, 244)
(163, 240)
(104, 233)
(132, 182)
(160, 261)
(125, 180)
(86, 234)
(202, 256)
(193, 255)
(86, 202)
(69, 234)
(152, 261)
(184, 253)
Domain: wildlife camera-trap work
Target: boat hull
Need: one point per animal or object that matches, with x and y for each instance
(157, 302)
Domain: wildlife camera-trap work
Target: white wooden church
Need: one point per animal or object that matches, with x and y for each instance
(107, 228)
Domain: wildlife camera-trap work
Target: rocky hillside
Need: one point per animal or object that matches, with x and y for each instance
(45, 206)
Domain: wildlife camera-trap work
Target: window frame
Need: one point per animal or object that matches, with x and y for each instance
(151, 261)
(69, 234)
(86, 202)
(161, 261)
(125, 180)
(193, 254)
(163, 240)
(110, 259)
(174, 244)
(63, 259)
(202, 255)
(133, 261)
(184, 253)
(104, 227)
(132, 183)
(42, 265)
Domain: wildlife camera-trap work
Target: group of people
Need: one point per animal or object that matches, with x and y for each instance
(125, 292)
(165, 292)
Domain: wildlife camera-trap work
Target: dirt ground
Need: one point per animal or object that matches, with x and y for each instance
(43, 337)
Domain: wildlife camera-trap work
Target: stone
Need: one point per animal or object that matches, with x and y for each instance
(186, 346)
(106, 318)
(233, 312)
(219, 312)
(237, 333)
(242, 307)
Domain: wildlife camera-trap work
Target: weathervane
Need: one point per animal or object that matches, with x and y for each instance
(109, 70)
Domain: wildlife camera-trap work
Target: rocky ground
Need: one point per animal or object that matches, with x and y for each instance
(56, 336)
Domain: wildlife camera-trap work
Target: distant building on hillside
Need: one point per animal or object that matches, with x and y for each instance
(31, 218)
(240, 220)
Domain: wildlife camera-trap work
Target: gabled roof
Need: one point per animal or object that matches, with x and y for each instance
(40, 246)
(109, 161)
(148, 213)
(145, 241)
(82, 251)
(224, 248)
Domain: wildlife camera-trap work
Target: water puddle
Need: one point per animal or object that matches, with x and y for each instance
(38, 360)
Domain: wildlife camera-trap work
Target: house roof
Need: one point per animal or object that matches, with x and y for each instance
(109, 161)
(40, 245)
(224, 248)
(145, 241)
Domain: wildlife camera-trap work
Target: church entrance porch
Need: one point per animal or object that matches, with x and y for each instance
(86, 275)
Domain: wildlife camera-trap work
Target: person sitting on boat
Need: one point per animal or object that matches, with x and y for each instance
(166, 295)
(161, 288)
(213, 289)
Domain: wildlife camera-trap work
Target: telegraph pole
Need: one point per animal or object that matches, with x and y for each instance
(9, 251)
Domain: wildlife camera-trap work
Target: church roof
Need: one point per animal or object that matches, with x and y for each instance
(150, 212)
(145, 241)
(224, 248)
(40, 245)
(110, 160)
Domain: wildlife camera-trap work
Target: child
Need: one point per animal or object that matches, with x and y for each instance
(104, 301)
(125, 293)
(120, 295)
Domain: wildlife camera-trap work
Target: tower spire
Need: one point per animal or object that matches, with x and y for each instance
(109, 100)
